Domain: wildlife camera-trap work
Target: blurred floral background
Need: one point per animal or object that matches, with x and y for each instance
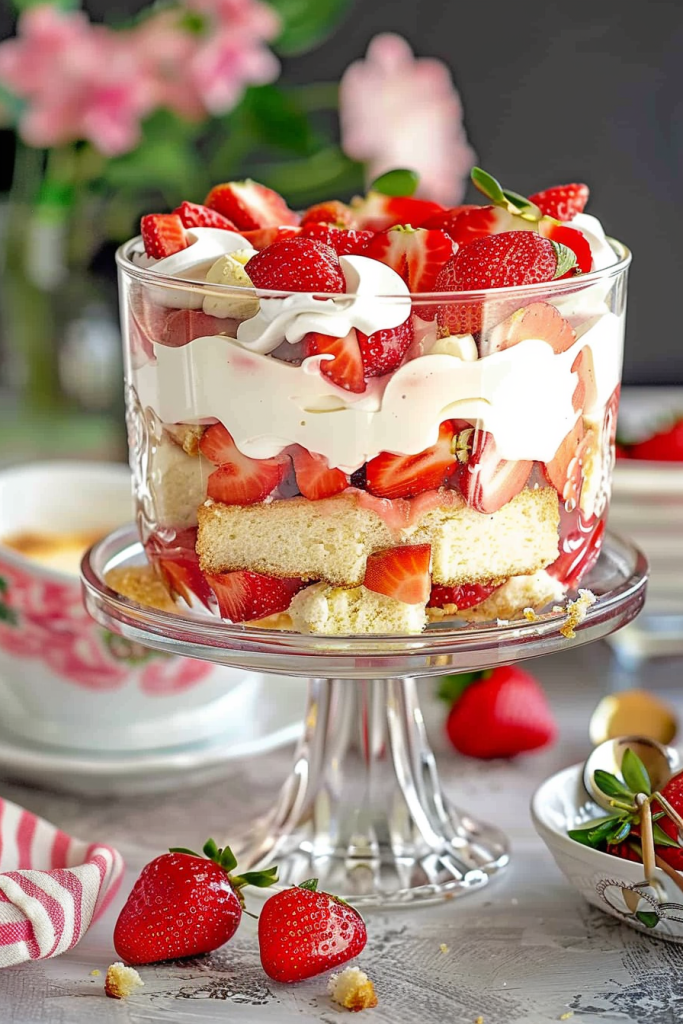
(113, 119)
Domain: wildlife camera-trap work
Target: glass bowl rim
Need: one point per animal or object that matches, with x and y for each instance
(549, 289)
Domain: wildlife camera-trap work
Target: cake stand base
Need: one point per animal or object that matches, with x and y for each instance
(363, 810)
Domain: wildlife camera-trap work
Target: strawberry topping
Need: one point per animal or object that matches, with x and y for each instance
(260, 238)
(573, 239)
(243, 596)
(416, 254)
(537, 320)
(378, 211)
(563, 201)
(465, 596)
(344, 241)
(297, 265)
(239, 480)
(163, 234)
(314, 477)
(194, 215)
(383, 351)
(480, 221)
(345, 368)
(173, 553)
(489, 482)
(403, 476)
(401, 573)
(331, 212)
(250, 205)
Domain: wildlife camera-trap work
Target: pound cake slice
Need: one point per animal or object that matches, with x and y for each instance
(335, 610)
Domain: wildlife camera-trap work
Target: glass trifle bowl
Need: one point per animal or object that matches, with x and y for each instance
(347, 456)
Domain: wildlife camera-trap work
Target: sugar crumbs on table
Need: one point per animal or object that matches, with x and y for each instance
(479, 1020)
(95, 973)
(576, 612)
(444, 948)
(566, 1016)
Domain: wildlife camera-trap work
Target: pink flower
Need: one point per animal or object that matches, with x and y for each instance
(399, 111)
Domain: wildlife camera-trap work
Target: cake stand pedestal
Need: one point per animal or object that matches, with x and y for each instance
(363, 809)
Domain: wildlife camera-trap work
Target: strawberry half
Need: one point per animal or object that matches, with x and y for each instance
(163, 234)
(416, 254)
(490, 482)
(344, 241)
(573, 239)
(250, 205)
(378, 211)
(537, 320)
(562, 201)
(181, 326)
(331, 212)
(302, 933)
(345, 368)
(564, 471)
(194, 215)
(445, 219)
(466, 596)
(475, 222)
(403, 476)
(314, 477)
(401, 573)
(297, 265)
(383, 351)
(239, 480)
(174, 555)
(261, 238)
(502, 714)
(243, 596)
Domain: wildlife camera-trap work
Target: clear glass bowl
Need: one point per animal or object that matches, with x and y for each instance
(491, 449)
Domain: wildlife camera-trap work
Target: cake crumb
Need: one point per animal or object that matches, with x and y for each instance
(502, 622)
(121, 981)
(352, 989)
(95, 973)
(566, 1016)
(576, 612)
(444, 948)
(530, 615)
(479, 1020)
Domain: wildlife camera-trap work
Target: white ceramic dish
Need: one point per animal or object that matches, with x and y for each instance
(613, 885)
(266, 714)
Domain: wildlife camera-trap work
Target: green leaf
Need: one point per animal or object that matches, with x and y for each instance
(647, 917)
(8, 615)
(167, 159)
(182, 849)
(311, 884)
(399, 182)
(306, 23)
(661, 838)
(260, 879)
(451, 688)
(64, 5)
(228, 860)
(597, 832)
(610, 785)
(274, 118)
(634, 773)
(3, 585)
(210, 849)
(566, 259)
(487, 184)
(622, 832)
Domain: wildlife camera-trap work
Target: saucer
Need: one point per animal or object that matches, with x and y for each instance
(270, 715)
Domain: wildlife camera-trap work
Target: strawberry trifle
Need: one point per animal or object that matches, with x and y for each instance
(368, 417)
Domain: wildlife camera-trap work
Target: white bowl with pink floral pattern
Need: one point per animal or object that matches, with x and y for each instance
(64, 680)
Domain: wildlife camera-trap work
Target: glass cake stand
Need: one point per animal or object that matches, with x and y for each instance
(363, 809)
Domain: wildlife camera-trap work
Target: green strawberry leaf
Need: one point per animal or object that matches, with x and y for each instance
(311, 884)
(259, 879)
(488, 185)
(661, 838)
(635, 774)
(610, 785)
(648, 918)
(182, 849)
(451, 688)
(399, 182)
(228, 860)
(566, 259)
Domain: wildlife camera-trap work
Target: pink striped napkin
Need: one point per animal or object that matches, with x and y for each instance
(51, 886)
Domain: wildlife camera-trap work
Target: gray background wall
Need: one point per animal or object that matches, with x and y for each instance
(589, 90)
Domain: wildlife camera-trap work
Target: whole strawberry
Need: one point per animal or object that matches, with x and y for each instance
(500, 713)
(184, 904)
(302, 932)
(666, 446)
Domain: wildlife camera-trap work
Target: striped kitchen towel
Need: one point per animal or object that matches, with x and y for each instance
(51, 886)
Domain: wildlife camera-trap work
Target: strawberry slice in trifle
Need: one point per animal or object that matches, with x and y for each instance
(370, 416)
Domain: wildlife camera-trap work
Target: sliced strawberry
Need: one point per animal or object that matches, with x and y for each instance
(579, 551)
(540, 321)
(416, 254)
(173, 553)
(194, 215)
(297, 265)
(401, 573)
(402, 476)
(562, 201)
(330, 212)
(581, 367)
(383, 351)
(573, 239)
(261, 238)
(344, 241)
(181, 326)
(250, 205)
(239, 480)
(564, 471)
(466, 596)
(445, 219)
(163, 234)
(243, 596)
(490, 482)
(314, 477)
(345, 368)
(377, 211)
(475, 222)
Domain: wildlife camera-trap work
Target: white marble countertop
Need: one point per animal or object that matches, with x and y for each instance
(525, 950)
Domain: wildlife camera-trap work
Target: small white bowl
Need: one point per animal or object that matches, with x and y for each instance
(613, 885)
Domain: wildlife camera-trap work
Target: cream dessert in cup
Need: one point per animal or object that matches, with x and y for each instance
(373, 415)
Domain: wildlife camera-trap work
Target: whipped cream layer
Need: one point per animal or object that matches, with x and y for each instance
(522, 395)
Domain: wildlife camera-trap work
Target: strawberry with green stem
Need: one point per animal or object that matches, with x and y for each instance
(7, 614)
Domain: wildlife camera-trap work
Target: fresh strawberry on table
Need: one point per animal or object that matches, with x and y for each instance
(250, 205)
(243, 596)
(489, 482)
(239, 480)
(163, 234)
(401, 573)
(315, 479)
(416, 254)
(303, 932)
(502, 712)
(297, 264)
(665, 446)
(403, 476)
(194, 215)
(562, 201)
(184, 904)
